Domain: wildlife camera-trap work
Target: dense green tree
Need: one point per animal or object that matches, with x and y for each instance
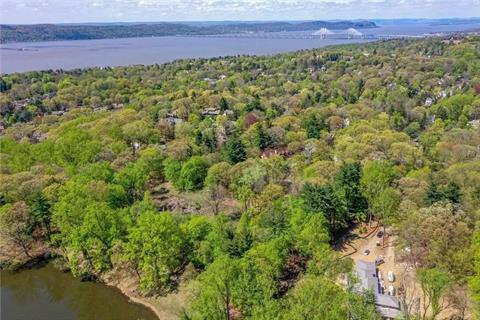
(193, 173)
(451, 192)
(325, 200)
(312, 299)
(223, 104)
(89, 236)
(474, 281)
(259, 271)
(262, 138)
(155, 248)
(172, 170)
(377, 176)
(218, 175)
(313, 126)
(196, 230)
(40, 211)
(386, 205)
(215, 293)
(76, 147)
(413, 130)
(133, 179)
(137, 132)
(101, 228)
(243, 236)
(347, 180)
(235, 150)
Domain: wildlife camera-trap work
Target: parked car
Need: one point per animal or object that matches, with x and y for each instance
(391, 276)
(391, 290)
(366, 252)
(380, 234)
(382, 286)
(379, 261)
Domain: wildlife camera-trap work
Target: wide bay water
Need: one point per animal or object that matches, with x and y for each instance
(34, 56)
(49, 294)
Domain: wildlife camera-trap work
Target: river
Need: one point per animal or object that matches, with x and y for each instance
(49, 294)
(35, 56)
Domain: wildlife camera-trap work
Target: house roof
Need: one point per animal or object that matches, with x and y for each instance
(367, 274)
(388, 306)
(387, 301)
(389, 312)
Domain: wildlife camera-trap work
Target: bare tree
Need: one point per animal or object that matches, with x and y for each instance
(16, 225)
(408, 294)
(459, 300)
(216, 194)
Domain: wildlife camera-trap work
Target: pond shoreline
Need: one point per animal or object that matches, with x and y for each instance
(135, 298)
(43, 257)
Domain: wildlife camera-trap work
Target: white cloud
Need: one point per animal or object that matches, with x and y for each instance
(23, 11)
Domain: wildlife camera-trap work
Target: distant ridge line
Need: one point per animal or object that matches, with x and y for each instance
(53, 32)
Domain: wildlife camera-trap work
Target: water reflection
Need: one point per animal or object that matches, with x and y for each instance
(49, 294)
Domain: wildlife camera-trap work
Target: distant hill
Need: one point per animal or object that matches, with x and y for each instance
(434, 22)
(52, 32)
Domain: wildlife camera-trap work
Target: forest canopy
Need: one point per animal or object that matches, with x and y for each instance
(247, 169)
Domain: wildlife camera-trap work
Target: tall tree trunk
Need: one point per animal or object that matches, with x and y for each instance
(227, 301)
(89, 259)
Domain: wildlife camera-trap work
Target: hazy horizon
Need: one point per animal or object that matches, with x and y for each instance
(248, 21)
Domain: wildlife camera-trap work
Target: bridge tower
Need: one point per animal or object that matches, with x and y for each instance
(323, 32)
(351, 33)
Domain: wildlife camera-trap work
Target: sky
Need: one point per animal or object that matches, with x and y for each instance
(75, 11)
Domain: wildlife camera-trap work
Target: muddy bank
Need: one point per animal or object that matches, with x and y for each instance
(14, 261)
(169, 307)
(135, 298)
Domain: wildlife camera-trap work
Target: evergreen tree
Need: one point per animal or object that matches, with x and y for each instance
(433, 194)
(243, 236)
(452, 193)
(262, 138)
(324, 199)
(40, 210)
(313, 126)
(223, 104)
(347, 181)
(235, 150)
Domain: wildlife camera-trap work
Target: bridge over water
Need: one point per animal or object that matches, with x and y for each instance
(323, 33)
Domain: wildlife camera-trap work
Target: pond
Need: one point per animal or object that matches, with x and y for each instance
(47, 293)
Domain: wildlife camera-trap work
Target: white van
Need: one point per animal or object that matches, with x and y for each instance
(391, 276)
